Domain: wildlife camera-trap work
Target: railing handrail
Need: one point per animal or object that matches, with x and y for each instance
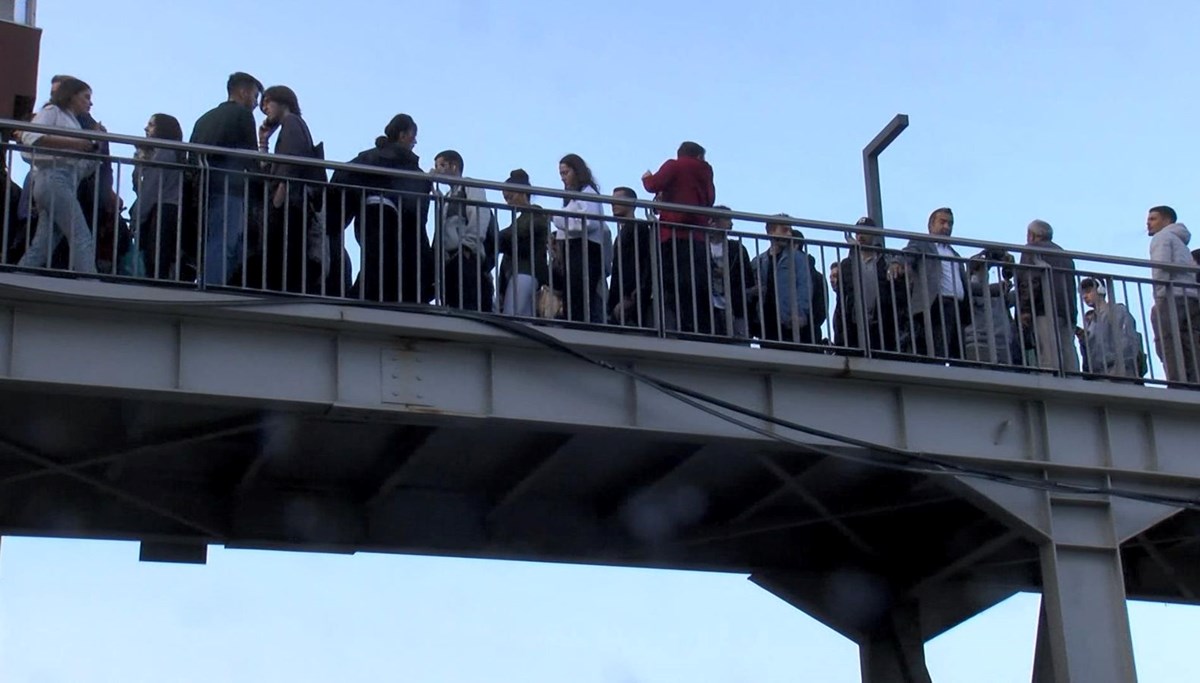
(134, 141)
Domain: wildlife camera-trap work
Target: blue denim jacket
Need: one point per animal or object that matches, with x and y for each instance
(792, 286)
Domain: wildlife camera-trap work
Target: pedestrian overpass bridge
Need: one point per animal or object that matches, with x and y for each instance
(890, 500)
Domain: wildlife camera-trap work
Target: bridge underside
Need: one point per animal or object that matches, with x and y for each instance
(181, 475)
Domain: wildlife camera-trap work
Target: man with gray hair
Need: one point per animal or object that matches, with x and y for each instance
(1047, 299)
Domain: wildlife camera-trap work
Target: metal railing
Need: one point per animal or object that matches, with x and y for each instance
(219, 218)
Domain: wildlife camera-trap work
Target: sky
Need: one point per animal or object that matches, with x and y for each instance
(1018, 110)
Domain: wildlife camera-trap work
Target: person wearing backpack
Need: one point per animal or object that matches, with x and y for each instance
(461, 240)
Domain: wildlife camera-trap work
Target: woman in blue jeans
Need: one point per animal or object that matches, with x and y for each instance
(56, 179)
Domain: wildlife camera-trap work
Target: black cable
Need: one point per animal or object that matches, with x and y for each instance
(899, 461)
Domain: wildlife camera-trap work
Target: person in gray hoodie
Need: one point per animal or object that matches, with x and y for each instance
(1176, 312)
(1110, 339)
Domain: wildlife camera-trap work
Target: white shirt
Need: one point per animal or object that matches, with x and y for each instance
(717, 249)
(952, 284)
(50, 115)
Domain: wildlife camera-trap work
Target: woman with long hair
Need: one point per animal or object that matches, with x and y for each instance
(158, 220)
(56, 179)
(580, 243)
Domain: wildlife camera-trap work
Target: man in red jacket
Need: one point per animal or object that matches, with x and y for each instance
(686, 269)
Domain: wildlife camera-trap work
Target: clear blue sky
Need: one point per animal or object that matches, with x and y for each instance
(1030, 110)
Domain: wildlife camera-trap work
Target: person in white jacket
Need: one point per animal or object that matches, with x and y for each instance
(582, 245)
(1176, 312)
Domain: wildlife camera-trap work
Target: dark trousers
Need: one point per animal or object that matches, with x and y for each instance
(943, 324)
(168, 244)
(397, 261)
(285, 251)
(687, 285)
(465, 283)
(582, 272)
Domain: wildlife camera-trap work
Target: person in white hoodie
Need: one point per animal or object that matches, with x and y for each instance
(1176, 312)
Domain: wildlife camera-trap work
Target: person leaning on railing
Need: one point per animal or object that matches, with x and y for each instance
(56, 179)
(1176, 312)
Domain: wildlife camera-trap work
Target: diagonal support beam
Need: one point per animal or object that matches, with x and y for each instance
(812, 501)
(58, 468)
(549, 449)
(1167, 568)
(398, 454)
(768, 500)
(209, 432)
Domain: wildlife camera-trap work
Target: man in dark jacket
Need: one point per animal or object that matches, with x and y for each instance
(687, 179)
(631, 289)
(1046, 290)
(230, 124)
(868, 301)
(389, 214)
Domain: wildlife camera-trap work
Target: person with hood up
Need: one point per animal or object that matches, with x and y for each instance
(1176, 312)
(389, 214)
(686, 272)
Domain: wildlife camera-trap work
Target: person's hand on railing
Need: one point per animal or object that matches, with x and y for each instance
(896, 270)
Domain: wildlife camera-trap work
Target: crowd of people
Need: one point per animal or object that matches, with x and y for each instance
(237, 220)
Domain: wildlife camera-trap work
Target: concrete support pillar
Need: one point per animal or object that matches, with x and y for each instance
(1085, 631)
(894, 651)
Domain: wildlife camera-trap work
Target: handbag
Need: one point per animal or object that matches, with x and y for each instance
(549, 303)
